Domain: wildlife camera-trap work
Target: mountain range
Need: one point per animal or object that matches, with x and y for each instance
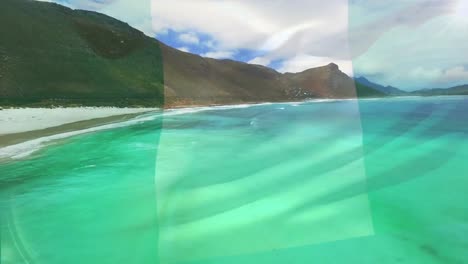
(457, 90)
(393, 91)
(54, 55)
(389, 90)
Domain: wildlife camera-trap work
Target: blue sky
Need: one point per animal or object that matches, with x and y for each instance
(409, 44)
(203, 44)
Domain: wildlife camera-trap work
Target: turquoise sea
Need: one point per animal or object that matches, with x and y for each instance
(369, 181)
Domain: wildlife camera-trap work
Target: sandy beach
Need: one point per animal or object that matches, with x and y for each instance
(23, 124)
(17, 120)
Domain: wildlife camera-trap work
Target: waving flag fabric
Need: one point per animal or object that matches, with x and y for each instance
(280, 131)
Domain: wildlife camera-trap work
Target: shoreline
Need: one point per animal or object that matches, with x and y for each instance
(22, 144)
(19, 120)
(18, 142)
(21, 137)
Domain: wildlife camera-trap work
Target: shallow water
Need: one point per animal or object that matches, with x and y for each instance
(375, 181)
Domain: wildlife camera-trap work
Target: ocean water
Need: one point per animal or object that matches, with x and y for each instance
(370, 181)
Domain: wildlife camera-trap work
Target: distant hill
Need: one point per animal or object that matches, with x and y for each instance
(389, 90)
(392, 91)
(457, 90)
(327, 82)
(53, 55)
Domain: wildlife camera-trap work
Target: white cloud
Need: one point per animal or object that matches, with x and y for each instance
(301, 62)
(209, 44)
(260, 61)
(461, 10)
(219, 54)
(281, 29)
(189, 38)
(281, 38)
(410, 44)
(370, 19)
(425, 55)
(184, 49)
(455, 74)
(425, 74)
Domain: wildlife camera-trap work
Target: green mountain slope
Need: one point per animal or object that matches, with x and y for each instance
(52, 55)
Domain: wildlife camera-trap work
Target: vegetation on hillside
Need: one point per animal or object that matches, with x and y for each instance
(52, 55)
(363, 91)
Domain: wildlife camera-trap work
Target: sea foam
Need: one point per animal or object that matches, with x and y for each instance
(24, 149)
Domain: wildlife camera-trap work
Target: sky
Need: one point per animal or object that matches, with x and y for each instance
(410, 44)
